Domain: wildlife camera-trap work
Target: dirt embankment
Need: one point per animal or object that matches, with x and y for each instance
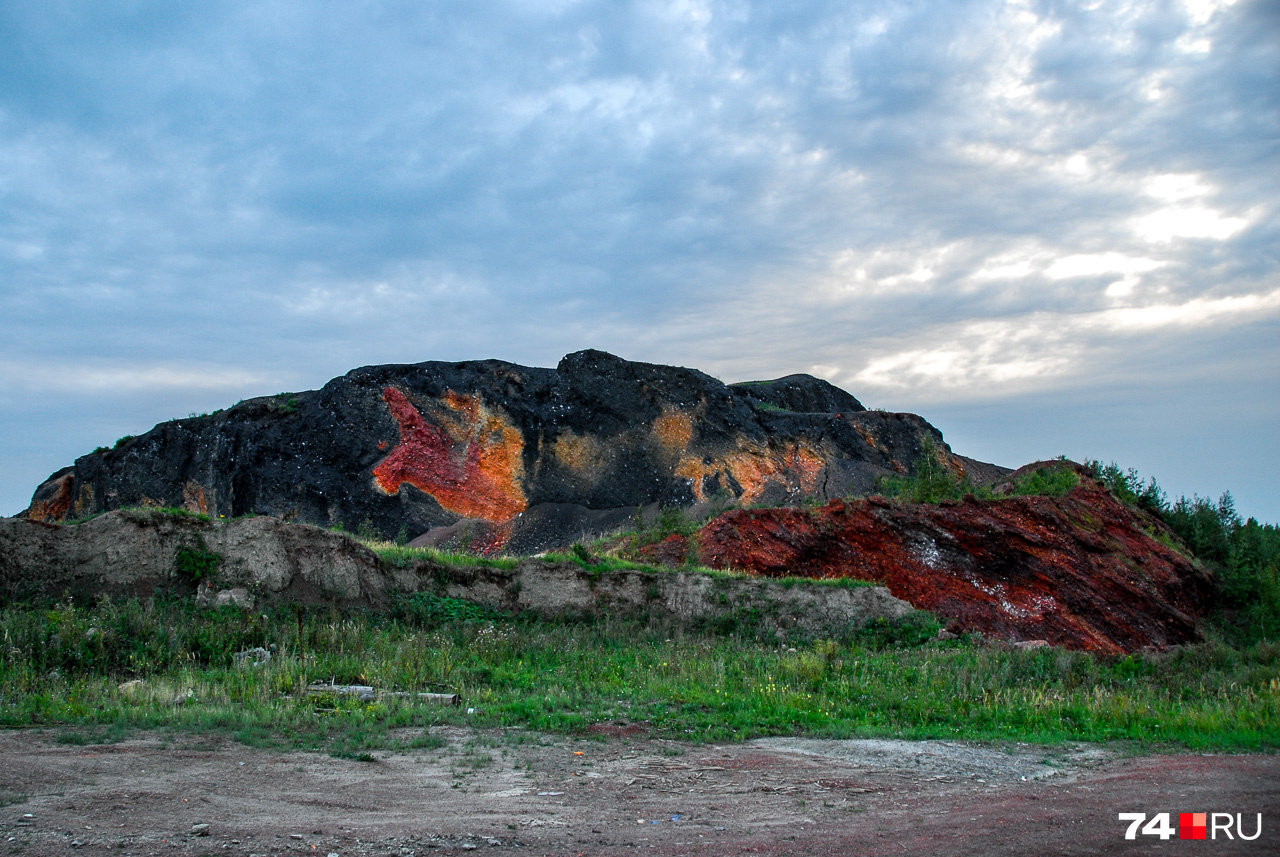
(263, 560)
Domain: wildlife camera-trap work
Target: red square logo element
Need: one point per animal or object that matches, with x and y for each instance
(1193, 825)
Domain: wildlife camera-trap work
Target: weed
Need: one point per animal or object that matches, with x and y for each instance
(280, 403)
(424, 609)
(194, 563)
(368, 531)
(911, 630)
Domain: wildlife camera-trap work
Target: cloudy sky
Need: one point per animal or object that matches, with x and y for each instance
(1050, 227)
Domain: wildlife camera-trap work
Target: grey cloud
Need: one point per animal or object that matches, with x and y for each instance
(312, 188)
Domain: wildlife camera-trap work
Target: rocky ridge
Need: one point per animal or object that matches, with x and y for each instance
(521, 458)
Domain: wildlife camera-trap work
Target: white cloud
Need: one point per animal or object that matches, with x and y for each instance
(1186, 221)
(983, 356)
(1174, 187)
(1041, 350)
(127, 378)
(1198, 312)
(1201, 11)
(1093, 264)
(21, 251)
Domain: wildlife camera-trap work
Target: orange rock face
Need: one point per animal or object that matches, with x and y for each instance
(53, 502)
(470, 461)
(195, 498)
(1078, 571)
(793, 465)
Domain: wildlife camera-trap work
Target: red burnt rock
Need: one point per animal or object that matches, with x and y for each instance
(475, 475)
(1077, 571)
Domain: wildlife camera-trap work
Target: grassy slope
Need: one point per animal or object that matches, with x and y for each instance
(64, 667)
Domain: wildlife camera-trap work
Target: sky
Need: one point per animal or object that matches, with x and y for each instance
(1050, 228)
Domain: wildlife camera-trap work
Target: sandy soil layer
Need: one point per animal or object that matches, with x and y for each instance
(516, 792)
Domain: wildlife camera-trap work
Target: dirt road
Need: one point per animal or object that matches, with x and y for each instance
(516, 792)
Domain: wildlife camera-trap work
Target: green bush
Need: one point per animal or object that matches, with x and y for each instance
(672, 521)
(194, 563)
(1046, 482)
(914, 629)
(427, 610)
(932, 482)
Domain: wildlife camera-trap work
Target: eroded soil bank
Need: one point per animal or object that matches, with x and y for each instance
(612, 792)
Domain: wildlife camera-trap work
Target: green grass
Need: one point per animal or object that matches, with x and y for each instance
(933, 482)
(170, 511)
(601, 563)
(403, 556)
(66, 666)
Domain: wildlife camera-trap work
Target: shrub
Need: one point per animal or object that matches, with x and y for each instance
(196, 562)
(1046, 482)
(932, 482)
(427, 610)
(914, 629)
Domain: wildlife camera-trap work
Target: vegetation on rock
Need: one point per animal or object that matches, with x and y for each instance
(1243, 554)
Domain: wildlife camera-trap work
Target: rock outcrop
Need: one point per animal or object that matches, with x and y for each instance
(509, 457)
(1081, 570)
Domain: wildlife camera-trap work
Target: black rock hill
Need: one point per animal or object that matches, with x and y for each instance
(504, 456)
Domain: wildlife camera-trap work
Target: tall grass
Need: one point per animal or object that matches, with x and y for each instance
(136, 665)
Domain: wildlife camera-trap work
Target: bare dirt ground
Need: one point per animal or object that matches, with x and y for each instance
(516, 792)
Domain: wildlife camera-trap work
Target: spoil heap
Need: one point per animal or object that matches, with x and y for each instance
(500, 456)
